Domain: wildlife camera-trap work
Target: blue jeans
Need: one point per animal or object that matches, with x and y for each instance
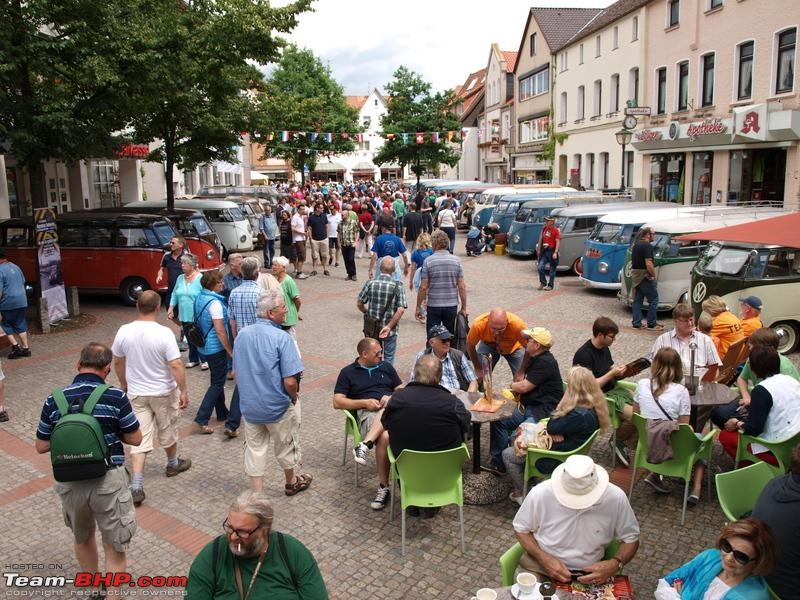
(389, 348)
(647, 289)
(501, 431)
(514, 359)
(451, 233)
(269, 252)
(546, 259)
(194, 355)
(215, 394)
(446, 315)
(235, 413)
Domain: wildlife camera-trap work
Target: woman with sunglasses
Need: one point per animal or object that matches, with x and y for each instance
(746, 550)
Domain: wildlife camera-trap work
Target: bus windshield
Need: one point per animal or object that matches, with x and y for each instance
(522, 214)
(723, 260)
(606, 233)
(200, 225)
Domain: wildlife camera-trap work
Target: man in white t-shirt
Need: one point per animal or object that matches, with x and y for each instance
(683, 339)
(566, 522)
(299, 240)
(149, 368)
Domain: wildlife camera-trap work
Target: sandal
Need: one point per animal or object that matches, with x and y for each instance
(301, 483)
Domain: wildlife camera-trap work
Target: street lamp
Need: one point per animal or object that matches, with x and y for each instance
(623, 139)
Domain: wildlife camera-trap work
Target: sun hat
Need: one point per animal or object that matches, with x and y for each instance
(752, 302)
(578, 482)
(440, 331)
(540, 335)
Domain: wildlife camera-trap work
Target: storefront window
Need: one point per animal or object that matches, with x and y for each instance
(702, 172)
(105, 183)
(666, 177)
(204, 176)
(757, 176)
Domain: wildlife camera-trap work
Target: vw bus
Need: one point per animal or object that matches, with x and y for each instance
(488, 199)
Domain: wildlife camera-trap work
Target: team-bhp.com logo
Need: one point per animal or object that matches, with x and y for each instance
(48, 586)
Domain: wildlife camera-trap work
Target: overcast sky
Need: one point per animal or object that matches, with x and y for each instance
(364, 41)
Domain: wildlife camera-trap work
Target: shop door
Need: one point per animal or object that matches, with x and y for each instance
(757, 176)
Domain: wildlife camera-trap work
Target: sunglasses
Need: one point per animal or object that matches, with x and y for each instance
(738, 555)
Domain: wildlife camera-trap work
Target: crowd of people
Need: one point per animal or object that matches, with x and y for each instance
(242, 326)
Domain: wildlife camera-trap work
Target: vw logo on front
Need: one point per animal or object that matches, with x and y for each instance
(628, 270)
(699, 293)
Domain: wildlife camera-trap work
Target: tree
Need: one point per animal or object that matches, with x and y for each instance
(302, 98)
(197, 85)
(413, 109)
(62, 81)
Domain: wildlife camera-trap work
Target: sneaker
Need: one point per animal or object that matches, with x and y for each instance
(313, 273)
(191, 365)
(548, 288)
(302, 276)
(692, 500)
(623, 454)
(21, 353)
(497, 470)
(635, 326)
(4, 416)
(656, 327)
(328, 273)
(231, 433)
(183, 465)
(541, 286)
(204, 366)
(360, 453)
(515, 497)
(657, 483)
(138, 496)
(381, 499)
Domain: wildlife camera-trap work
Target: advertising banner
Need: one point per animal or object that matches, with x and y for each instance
(51, 276)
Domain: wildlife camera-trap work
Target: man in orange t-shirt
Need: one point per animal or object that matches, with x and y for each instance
(497, 333)
(750, 309)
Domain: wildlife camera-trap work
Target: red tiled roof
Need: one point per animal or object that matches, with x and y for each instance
(356, 101)
(559, 25)
(511, 60)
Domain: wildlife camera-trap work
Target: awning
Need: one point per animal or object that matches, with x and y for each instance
(329, 167)
(257, 175)
(364, 166)
(226, 167)
(777, 231)
(392, 165)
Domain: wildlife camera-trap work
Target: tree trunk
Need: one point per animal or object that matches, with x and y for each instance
(169, 163)
(38, 190)
(302, 164)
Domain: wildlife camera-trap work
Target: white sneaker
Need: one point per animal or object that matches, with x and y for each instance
(360, 453)
(515, 497)
(381, 499)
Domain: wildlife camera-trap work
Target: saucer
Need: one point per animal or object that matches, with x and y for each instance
(516, 593)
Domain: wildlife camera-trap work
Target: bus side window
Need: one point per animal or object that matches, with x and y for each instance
(583, 223)
(780, 263)
(98, 237)
(71, 235)
(131, 237)
(17, 237)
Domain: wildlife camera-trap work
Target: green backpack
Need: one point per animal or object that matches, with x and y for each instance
(78, 449)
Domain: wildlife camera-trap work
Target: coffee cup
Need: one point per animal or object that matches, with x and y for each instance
(486, 594)
(527, 583)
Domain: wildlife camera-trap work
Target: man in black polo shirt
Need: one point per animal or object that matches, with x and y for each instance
(364, 386)
(318, 224)
(643, 280)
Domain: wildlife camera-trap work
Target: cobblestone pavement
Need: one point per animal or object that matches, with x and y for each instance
(358, 549)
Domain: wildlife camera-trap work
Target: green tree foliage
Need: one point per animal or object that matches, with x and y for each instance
(301, 97)
(414, 109)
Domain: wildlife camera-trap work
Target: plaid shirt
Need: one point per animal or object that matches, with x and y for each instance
(376, 293)
(449, 377)
(242, 304)
(348, 231)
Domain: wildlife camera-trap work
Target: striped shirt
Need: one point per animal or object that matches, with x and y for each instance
(376, 293)
(449, 378)
(442, 270)
(113, 411)
(705, 356)
(243, 302)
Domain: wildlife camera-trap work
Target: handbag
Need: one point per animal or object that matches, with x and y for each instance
(532, 435)
(193, 331)
(659, 432)
(372, 326)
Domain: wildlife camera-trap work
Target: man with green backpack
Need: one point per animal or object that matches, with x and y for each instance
(83, 427)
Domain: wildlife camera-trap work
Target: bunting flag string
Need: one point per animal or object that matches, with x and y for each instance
(328, 137)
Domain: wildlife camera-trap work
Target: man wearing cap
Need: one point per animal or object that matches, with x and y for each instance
(750, 309)
(456, 371)
(643, 280)
(566, 522)
(540, 391)
(547, 251)
(497, 333)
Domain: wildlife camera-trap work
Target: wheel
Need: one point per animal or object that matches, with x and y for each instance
(577, 266)
(131, 288)
(788, 335)
(684, 299)
(224, 253)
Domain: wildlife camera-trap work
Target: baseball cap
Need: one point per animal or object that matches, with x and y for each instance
(549, 218)
(752, 302)
(440, 331)
(540, 335)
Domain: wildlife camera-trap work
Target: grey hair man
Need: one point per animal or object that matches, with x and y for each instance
(250, 543)
(442, 285)
(268, 369)
(384, 299)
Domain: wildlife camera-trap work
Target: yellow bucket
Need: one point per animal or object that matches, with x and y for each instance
(499, 249)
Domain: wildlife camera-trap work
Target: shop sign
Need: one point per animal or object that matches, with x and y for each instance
(750, 122)
(711, 126)
(638, 110)
(132, 151)
(648, 135)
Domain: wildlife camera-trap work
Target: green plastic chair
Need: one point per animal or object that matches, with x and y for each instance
(782, 450)
(616, 419)
(739, 490)
(687, 449)
(509, 561)
(351, 430)
(428, 480)
(535, 454)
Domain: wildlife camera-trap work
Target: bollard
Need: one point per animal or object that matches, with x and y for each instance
(73, 305)
(43, 314)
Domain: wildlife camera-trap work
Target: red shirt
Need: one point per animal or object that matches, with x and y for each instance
(550, 236)
(365, 219)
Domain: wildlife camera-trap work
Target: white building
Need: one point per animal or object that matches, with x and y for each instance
(495, 130)
(469, 105)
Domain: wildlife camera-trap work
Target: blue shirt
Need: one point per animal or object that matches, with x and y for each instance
(206, 323)
(243, 304)
(388, 244)
(699, 572)
(113, 411)
(183, 295)
(12, 285)
(230, 282)
(265, 355)
(269, 226)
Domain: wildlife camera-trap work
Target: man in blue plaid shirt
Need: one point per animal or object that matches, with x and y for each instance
(457, 371)
(374, 297)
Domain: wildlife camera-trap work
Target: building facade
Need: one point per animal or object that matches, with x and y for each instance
(494, 125)
(469, 104)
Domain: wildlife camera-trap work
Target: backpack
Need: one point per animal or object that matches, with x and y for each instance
(193, 331)
(78, 448)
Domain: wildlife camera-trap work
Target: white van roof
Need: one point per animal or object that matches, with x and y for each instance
(533, 188)
(713, 221)
(196, 203)
(653, 215)
(591, 210)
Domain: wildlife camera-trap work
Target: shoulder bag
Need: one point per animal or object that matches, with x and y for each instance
(372, 326)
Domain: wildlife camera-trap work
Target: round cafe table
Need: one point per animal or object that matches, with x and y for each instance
(479, 418)
(706, 397)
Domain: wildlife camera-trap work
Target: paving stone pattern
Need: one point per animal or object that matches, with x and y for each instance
(358, 549)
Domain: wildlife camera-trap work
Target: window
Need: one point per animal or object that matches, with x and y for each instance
(784, 78)
(366, 122)
(702, 169)
(203, 176)
(683, 85)
(534, 130)
(634, 29)
(535, 84)
(133, 237)
(562, 117)
(603, 174)
(615, 38)
(563, 61)
(744, 87)
(590, 173)
(597, 46)
(673, 12)
(633, 85)
(580, 54)
(715, 4)
(364, 146)
(707, 94)
(613, 100)
(580, 103)
(661, 91)
(598, 98)
(104, 182)
(533, 44)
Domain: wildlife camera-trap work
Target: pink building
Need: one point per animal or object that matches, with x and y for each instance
(720, 78)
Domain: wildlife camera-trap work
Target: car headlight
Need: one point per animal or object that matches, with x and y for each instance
(515, 239)
(243, 238)
(210, 255)
(603, 267)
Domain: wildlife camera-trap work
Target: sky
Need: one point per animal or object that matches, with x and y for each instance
(364, 41)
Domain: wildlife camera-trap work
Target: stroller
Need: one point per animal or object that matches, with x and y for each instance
(474, 243)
